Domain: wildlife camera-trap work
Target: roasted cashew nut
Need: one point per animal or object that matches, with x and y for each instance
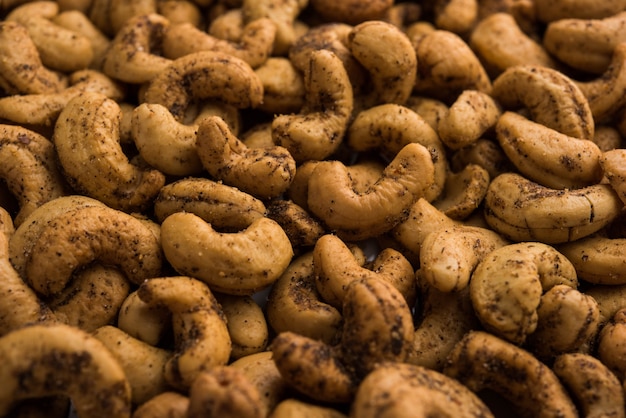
(547, 156)
(56, 242)
(581, 374)
(405, 390)
(29, 169)
(483, 361)
(353, 215)
(87, 140)
(463, 192)
(142, 321)
(507, 286)
(201, 336)
(170, 404)
(57, 359)
(247, 326)
(579, 9)
(292, 407)
(352, 11)
(283, 87)
(614, 169)
(597, 258)
(552, 98)
(236, 263)
(263, 172)
(522, 210)
(300, 226)
(317, 131)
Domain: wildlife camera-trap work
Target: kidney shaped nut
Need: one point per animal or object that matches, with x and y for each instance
(87, 140)
(294, 304)
(387, 54)
(482, 361)
(387, 128)
(51, 360)
(169, 404)
(201, 338)
(611, 344)
(29, 169)
(552, 98)
(263, 172)
(201, 76)
(507, 286)
(355, 216)
(378, 327)
(522, 210)
(246, 324)
(335, 267)
(582, 374)
(139, 320)
(406, 390)
(132, 55)
(238, 263)
(56, 241)
(301, 227)
(586, 44)
(598, 258)
(501, 43)
(546, 156)
(548, 11)
(21, 69)
(317, 131)
(225, 207)
(463, 192)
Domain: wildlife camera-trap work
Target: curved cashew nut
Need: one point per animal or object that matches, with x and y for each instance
(21, 304)
(292, 407)
(486, 153)
(442, 320)
(388, 56)
(143, 363)
(336, 267)
(471, 115)
(598, 259)
(522, 210)
(225, 207)
(19, 52)
(246, 324)
(65, 239)
(318, 130)
(387, 128)
(613, 164)
(60, 359)
(356, 215)
(141, 321)
(579, 9)
(87, 140)
(580, 373)
(447, 67)
(406, 390)
(283, 88)
(130, 57)
(552, 98)
(262, 172)
(501, 43)
(611, 344)
(295, 305)
(29, 169)
(568, 321)
(169, 404)
(546, 156)
(201, 336)
(59, 48)
(585, 44)
(483, 361)
(448, 256)
(254, 47)
(463, 192)
(233, 263)
(351, 12)
(507, 286)
(302, 229)
(224, 391)
(44, 109)
(205, 75)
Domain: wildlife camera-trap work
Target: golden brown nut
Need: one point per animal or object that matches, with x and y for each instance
(170, 404)
(246, 324)
(598, 259)
(611, 344)
(351, 11)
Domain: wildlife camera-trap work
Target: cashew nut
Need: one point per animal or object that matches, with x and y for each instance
(57, 359)
(598, 259)
(246, 324)
(611, 344)
(142, 321)
(235, 263)
(483, 361)
(201, 336)
(302, 229)
(486, 153)
(356, 215)
(463, 192)
(87, 141)
(351, 11)
(614, 168)
(549, 11)
(283, 86)
(169, 404)
(522, 210)
(293, 407)
(507, 287)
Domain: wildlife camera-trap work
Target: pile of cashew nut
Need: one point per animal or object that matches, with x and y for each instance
(278, 208)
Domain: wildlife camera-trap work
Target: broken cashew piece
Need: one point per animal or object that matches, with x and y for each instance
(201, 336)
(522, 210)
(507, 287)
(263, 172)
(62, 360)
(483, 361)
(236, 263)
(356, 215)
(87, 140)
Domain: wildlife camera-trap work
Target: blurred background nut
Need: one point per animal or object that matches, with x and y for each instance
(171, 404)
(613, 163)
(283, 86)
(549, 11)
(351, 12)
(611, 348)
(463, 192)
